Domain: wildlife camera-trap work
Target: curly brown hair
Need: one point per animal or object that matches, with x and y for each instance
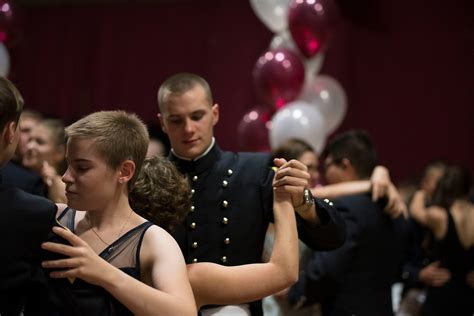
(161, 194)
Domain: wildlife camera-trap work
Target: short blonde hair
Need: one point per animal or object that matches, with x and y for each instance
(117, 135)
(181, 83)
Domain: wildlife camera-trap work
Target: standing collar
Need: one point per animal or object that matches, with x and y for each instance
(213, 140)
(201, 163)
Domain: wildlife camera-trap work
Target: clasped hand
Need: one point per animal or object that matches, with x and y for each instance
(292, 178)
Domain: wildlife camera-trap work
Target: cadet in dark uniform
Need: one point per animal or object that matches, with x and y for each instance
(232, 192)
(25, 220)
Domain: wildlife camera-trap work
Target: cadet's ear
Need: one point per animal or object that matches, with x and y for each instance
(160, 118)
(9, 133)
(215, 114)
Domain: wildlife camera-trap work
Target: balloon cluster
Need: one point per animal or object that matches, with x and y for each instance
(6, 18)
(304, 105)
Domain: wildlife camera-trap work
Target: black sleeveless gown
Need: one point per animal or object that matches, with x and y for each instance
(455, 297)
(82, 298)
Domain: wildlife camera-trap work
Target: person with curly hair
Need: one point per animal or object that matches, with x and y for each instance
(161, 194)
(155, 197)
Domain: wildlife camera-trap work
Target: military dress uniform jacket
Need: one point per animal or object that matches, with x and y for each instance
(25, 222)
(232, 206)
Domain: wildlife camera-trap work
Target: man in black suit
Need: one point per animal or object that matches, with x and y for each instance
(232, 192)
(355, 279)
(25, 220)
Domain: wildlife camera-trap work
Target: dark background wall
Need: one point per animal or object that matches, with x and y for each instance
(407, 67)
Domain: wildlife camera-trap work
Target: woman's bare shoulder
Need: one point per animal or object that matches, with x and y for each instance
(157, 242)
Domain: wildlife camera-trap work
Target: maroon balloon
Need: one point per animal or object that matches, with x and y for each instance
(278, 76)
(310, 22)
(252, 133)
(6, 18)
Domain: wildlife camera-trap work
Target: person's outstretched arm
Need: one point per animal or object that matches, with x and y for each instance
(216, 284)
(379, 185)
(171, 293)
(332, 191)
(418, 210)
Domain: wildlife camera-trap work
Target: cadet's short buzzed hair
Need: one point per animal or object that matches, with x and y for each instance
(11, 103)
(118, 136)
(181, 83)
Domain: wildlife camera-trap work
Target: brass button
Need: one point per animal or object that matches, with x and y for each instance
(194, 245)
(225, 183)
(230, 172)
(224, 259)
(227, 241)
(225, 220)
(225, 203)
(195, 260)
(195, 178)
(193, 208)
(193, 225)
(192, 191)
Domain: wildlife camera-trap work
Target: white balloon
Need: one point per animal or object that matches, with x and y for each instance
(273, 13)
(284, 40)
(327, 95)
(312, 66)
(299, 120)
(4, 60)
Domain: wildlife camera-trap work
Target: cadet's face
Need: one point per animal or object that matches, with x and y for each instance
(310, 160)
(188, 120)
(90, 182)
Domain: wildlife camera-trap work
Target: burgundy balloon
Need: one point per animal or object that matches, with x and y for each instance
(278, 77)
(253, 129)
(310, 22)
(6, 18)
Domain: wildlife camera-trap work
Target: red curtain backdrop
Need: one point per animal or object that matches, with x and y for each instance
(407, 68)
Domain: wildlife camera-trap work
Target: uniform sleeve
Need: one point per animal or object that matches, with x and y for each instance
(319, 279)
(327, 236)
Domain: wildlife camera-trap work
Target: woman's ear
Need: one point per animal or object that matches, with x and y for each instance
(127, 171)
